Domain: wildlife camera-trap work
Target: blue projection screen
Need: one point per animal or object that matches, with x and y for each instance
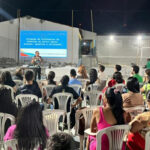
(51, 44)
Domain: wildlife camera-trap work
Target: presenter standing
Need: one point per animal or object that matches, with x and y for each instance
(36, 61)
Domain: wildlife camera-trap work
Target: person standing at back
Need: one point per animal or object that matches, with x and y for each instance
(36, 61)
(135, 73)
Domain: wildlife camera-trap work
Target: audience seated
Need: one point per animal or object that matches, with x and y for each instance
(65, 88)
(117, 79)
(51, 77)
(73, 79)
(103, 117)
(135, 73)
(146, 87)
(82, 74)
(31, 86)
(133, 97)
(6, 79)
(136, 138)
(93, 77)
(61, 141)
(6, 105)
(118, 68)
(29, 129)
(18, 74)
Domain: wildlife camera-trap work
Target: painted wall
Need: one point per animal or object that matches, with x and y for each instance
(9, 32)
(123, 49)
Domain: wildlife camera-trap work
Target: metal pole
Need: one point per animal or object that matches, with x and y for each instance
(18, 39)
(92, 24)
(72, 36)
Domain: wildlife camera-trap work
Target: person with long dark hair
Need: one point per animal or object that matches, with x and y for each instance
(6, 79)
(29, 129)
(111, 114)
(7, 106)
(133, 97)
(93, 77)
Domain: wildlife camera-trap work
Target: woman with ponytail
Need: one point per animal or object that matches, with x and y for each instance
(103, 117)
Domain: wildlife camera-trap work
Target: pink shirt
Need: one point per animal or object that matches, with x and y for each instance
(10, 133)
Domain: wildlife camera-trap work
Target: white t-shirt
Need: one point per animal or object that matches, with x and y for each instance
(102, 76)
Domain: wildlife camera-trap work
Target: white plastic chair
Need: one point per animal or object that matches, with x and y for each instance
(115, 134)
(93, 97)
(134, 111)
(147, 140)
(86, 113)
(51, 119)
(76, 87)
(83, 82)
(3, 118)
(13, 145)
(1, 145)
(63, 99)
(93, 87)
(9, 88)
(48, 89)
(25, 99)
(120, 87)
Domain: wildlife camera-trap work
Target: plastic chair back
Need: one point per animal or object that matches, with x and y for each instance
(3, 118)
(115, 134)
(24, 99)
(93, 97)
(77, 88)
(83, 82)
(9, 88)
(48, 89)
(63, 99)
(13, 145)
(147, 140)
(93, 87)
(134, 111)
(51, 119)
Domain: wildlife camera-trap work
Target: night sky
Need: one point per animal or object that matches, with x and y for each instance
(109, 16)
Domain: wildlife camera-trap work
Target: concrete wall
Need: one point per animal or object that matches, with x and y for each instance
(123, 49)
(9, 35)
(73, 37)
